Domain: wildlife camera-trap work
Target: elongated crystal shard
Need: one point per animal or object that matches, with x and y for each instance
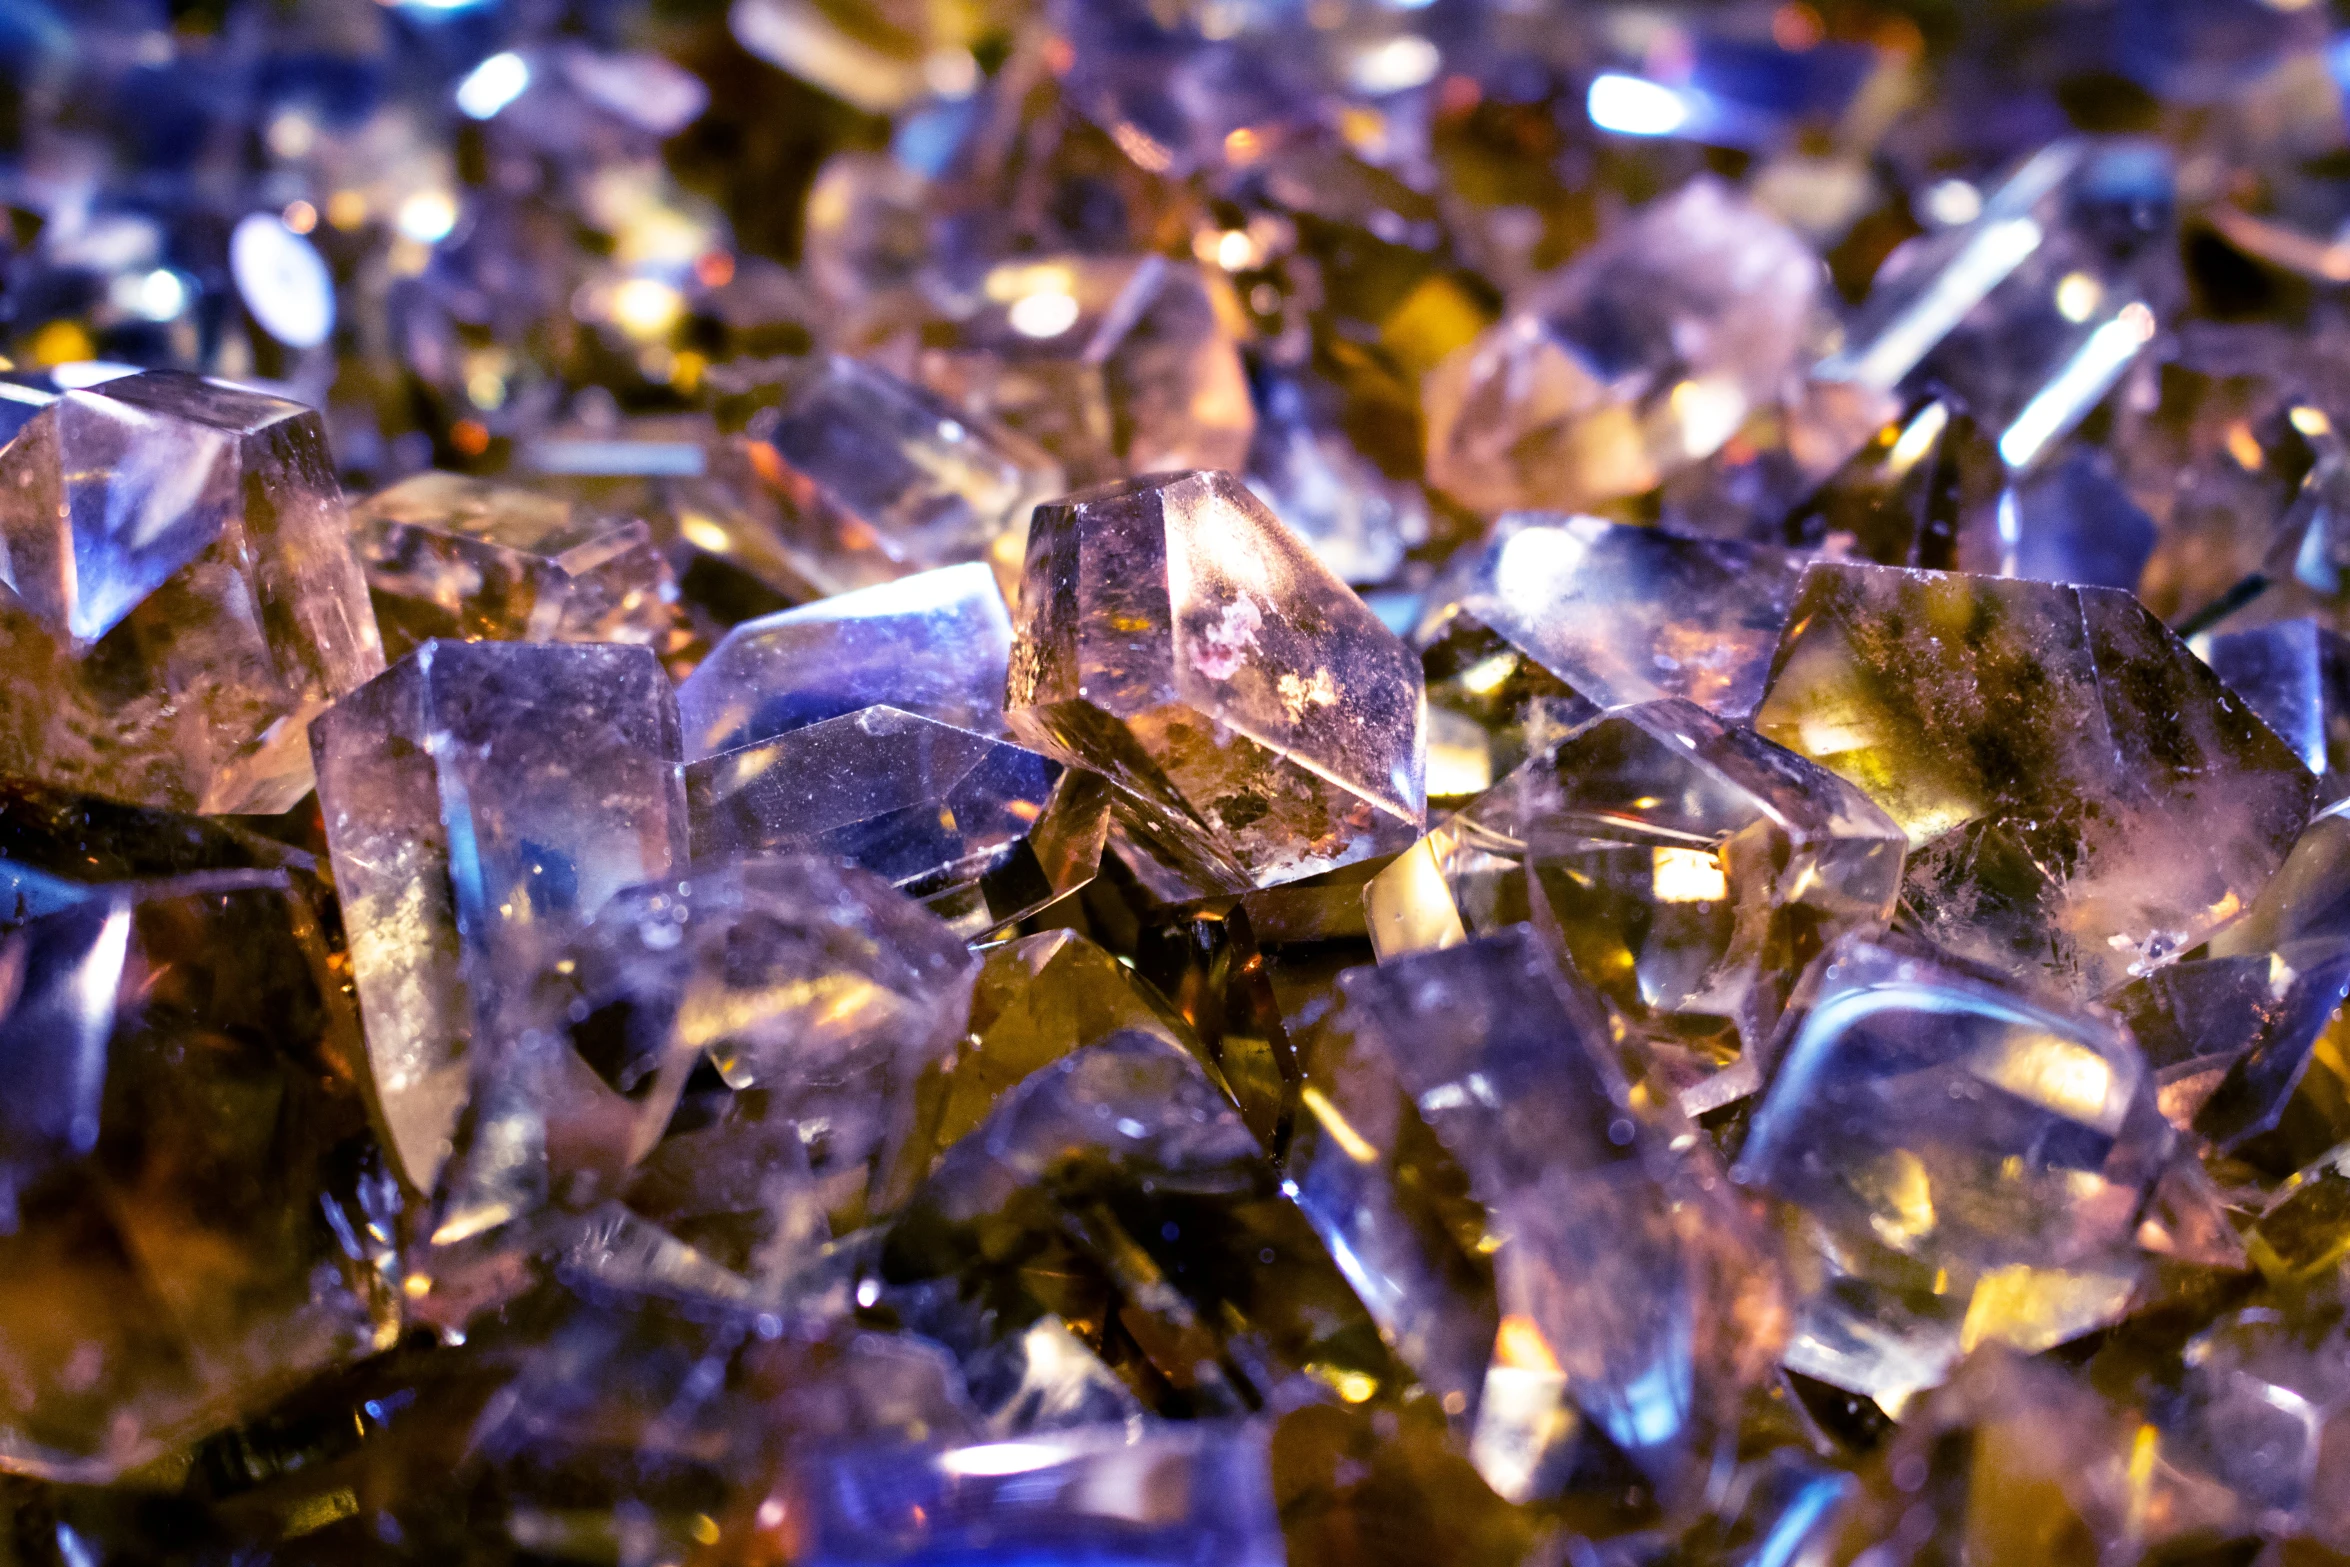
(2084, 799)
(1259, 722)
(181, 596)
(476, 795)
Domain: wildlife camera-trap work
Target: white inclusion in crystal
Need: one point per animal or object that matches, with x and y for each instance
(493, 84)
(284, 284)
(1634, 106)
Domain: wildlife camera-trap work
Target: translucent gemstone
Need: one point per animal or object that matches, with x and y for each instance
(2032, 311)
(1642, 355)
(1118, 1189)
(1258, 720)
(185, 1169)
(1116, 365)
(1187, 1492)
(980, 830)
(2195, 1018)
(58, 849)
(1205, 958)
(2307, 900)
(182, 595)
(1686, 869)
(2084, 799)
(2261, 1411)
(2067, 521)
(449, 556)
(1611, 613)
(1540, 1259)
(1906, 496)
(2285, 1099)
(1966, 1163)
(937, 643)
(476, 794)
(1303, 466)
(2295, 675)
(2303, 1231)
(874, 478)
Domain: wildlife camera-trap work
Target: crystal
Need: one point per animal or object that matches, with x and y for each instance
(1964, 1163)
(2063, 822)
(2294, 675)
(1612, 614)
(59, 849)
(461, 558)
(982, 831)
(1115, 365)
(186, 599)
(2307, 900)
(1258, 721)
(2285, 1100)
(186, 1171)
(477, 794)
(875, 478)
(1687, 870)
(1206, 960)
(1193, 1492)
(1480, 1171)
(1359, 520)
(1906, 495)
(938, 643)
(1644, 354)
(1119, 1191)
(2194, 1019)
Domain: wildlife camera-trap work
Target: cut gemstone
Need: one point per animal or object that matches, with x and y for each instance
(1259, 722)
(182, 596)
(1643, 355)
(1687, 870)
(186, 1167)
(475, 795)
(449, 556)
(980, 830)
(2084, 799)
(936, 643)
(1543, 1262)
(1964, 1164)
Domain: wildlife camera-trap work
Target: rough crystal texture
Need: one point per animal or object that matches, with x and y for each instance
(1687, 870)
(1116, 365)
(185, 1169)
(1965, 1164)
(1643, 355)
(875, 478)
(449, 556)
(1536, 1254)
(1259, 722)
(979, 829)
(1614, 614)
(475, 795)
(938, 643)
(182, 597)
(2084, 799)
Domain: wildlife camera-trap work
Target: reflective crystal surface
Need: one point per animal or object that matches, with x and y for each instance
(1964, 1163)
(2084, 799)
(470, 560)
(980, 830)
(936, 643)
(1359, 520)
(475, 795)
(2295, 676)
(1258, 721)
(182, 594)
(1643, 355)
(195, 1211)
(1687, 870)
(59, 849)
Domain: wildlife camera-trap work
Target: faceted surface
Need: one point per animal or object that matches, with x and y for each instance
(477, 794)
(1540, 1258)
(448, 556)
(937, 643)
(1644, 354)
(2084, 799)
(2295, 675)
(1687, 871)
(1964, 1163)
(978, 829)
(1301, 465)
(1614, 614)
(1116, 365)
(1259, 722)
(875, 478)
(182, 595)
(187, 1167)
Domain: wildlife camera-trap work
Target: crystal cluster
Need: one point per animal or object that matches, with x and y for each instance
(832, 783)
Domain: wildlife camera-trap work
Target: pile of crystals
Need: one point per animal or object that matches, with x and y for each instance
(1498, 783)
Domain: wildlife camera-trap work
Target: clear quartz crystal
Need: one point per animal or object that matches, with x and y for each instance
(181, 594)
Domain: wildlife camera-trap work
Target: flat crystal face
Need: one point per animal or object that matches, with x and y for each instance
(2084, 799)
(1254, 713)
(183, 595)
